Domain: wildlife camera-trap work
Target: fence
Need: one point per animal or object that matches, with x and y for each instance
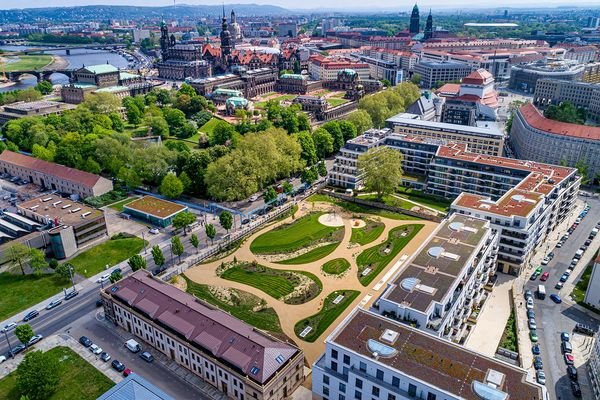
(373, 204)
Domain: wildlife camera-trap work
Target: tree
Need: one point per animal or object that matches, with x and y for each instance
(171, 187)
(333, 127)
(416, 79)
(288, 188)
(115, 277)
(309, 175)
(270, 194)
(222, 134)
(37, 261)
(102, 103)
(348, 130)
(177, 247)
(137, 262)
(566, 112)
(386, 82)
(129, 178)
(134, 114)
(158, 125)
(381, 169)
(226, 220)
(44, 87)
(64, 271)
(361, 120)
(194, 241)
(183, 220)
(158, 256)
(37, 376)
(24, 333)
(583, 170)
(322, 169)
(211, 232)
(175, 119)
(17, 255)
(323, 142)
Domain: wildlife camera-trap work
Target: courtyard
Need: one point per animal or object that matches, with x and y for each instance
(300, 276)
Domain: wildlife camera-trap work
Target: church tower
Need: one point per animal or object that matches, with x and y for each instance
(225, 39)
(164, 39)
(414, 21)
(429, 26)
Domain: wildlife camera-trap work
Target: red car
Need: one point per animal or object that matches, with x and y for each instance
(569, 359)
(127, 371)
(545, 276)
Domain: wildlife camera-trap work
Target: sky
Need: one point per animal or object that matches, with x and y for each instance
(306, 4)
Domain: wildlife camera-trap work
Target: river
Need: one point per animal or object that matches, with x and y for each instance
(77, 59)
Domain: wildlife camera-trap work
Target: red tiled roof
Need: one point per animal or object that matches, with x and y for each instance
(536, 120)
(60, 171)
(478, 77)
(255, 353)
(449, 89)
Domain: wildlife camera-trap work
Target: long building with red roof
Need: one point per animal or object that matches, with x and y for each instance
(537, 138)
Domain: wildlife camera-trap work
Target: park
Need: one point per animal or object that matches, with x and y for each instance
(300, 276)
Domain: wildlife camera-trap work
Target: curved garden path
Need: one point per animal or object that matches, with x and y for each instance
(290, 314)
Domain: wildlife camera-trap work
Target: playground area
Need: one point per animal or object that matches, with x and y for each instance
(306, 272)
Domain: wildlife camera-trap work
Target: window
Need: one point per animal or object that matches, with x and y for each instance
(357, 395)
(346, 359)
(379, 374)
(391, 396)
(412, 390)
(334, 354)
(341, 397)
(325, 380)
(342, 387)
(358, 383)
(431, 396)
(334, 366)
(325, 391)
(375, 391)
(395, 382)
(362, 367)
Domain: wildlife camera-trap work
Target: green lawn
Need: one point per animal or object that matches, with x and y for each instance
(578, 293)
(326, 316)
(336, 266)
(111, 252)
(377, 258)
(435, 202)
(368, 233)
(295, 235)
(313, 255)
(333, 102)
(243, 308)
(276, 283)
(22, 292)
(509, 337)
(288, 97)
(388, 200)
(206, 128)
(27, 62)
(360, 209)
(78, 380)
(136, 131)
(120, 204)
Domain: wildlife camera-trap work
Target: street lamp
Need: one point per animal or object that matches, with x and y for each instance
(8, 341)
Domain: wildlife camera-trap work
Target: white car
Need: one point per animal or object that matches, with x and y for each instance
(103, 278)
(253, 198)
(154, 231)
(34, 340)
(2, 359)
(529, 304)
(545, 261)
(9, 326)
(95, 349)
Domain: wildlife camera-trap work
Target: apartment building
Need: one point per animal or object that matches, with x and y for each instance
(443, 283)
(481, 140)
(327, 68)
(433, 73)
(523, 77)
(534, 137)
(592, 294)
(523, 200)
(237, 359)
(580, 94)
(593, 368)
(372, 357)
(53, 176)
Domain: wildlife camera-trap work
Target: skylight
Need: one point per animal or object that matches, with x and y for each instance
(254, 370)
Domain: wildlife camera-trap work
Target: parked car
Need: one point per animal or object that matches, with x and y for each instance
(584, 329)
(95, 349)
(555, 298)
(103, 278)
(545, 261)
(34, 339)
(559, 285)
(533, 335)
(559, 245)
(535, 349)
(116, 271)
(564, 277)
(530, 314)
(565, 337)
(537, 363)
(147, 357)
(534, 276)
(572, 372)
(551, 255)
(565, 347)
(16, 350)
(85, 341)
(532, 324)
(31, 315)
(529, 303)
(545, 276)
(569, 359)
(154, 231)
(118, 365)
(540, 377)
(2, 359)
(54, 303)
(127, 372)
(528, 294)
(539, 270)
(9, 326)
(104, 356)
(71, 294)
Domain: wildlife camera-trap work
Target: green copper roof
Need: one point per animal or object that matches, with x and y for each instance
(228, 92)
(112, 89)
(101, 68)
(127, 75)
(237, 101)
(293, 76)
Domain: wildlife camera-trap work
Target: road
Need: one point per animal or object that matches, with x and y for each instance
(552, 319)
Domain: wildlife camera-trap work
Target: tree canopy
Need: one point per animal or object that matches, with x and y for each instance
(381, 170)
